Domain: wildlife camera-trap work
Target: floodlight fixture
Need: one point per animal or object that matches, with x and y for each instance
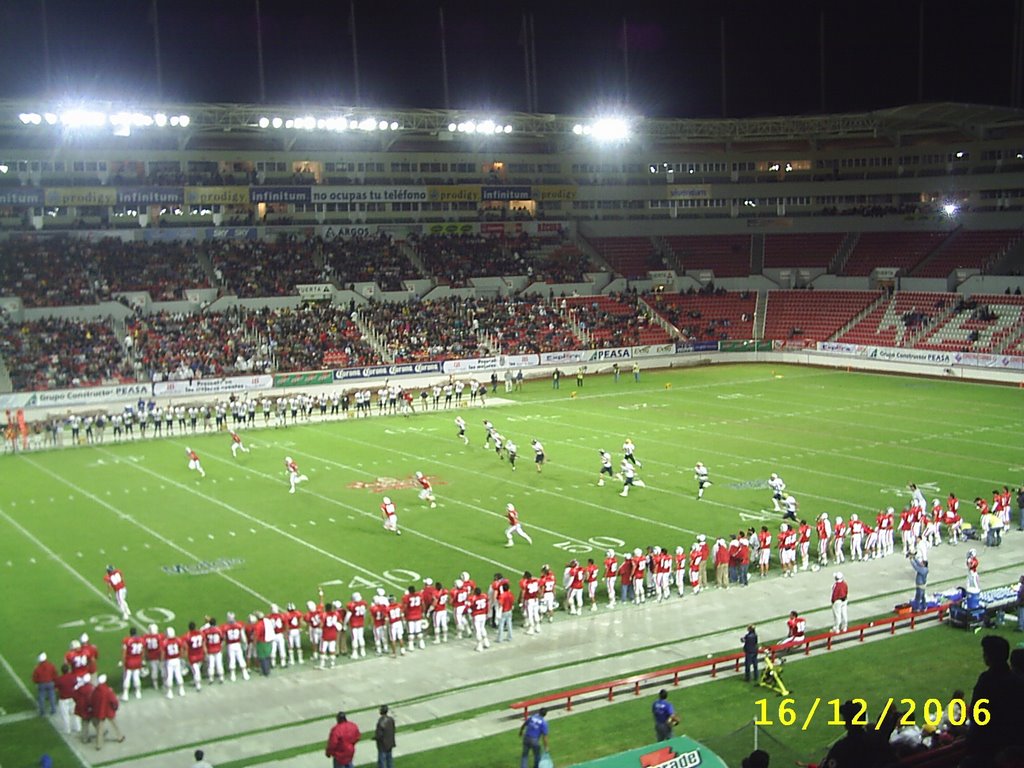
(452, 127)
(950, 209)
(507, 129)
(184, 121)
(610, 129)
(160, 119)
(264, 122)
(4, 168)
(277, 122)
(50, 118)
(394, 125)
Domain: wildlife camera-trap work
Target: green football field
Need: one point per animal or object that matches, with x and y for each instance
(237, 540)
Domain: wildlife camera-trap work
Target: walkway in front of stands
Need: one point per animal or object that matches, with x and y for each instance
(295, 708)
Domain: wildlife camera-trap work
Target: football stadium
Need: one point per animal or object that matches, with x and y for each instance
(576, 439)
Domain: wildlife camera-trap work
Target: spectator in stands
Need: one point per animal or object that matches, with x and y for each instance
(861, 747)
(201, 761)
(920, 566)
(534, 732)
(1020, 604)
(756, 759)
(1004, 695)
(954, 712)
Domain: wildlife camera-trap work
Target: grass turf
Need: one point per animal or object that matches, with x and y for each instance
(190, 546)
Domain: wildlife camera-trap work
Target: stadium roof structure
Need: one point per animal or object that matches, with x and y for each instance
(327, 127)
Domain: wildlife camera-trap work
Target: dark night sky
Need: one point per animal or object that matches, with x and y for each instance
(104, 48)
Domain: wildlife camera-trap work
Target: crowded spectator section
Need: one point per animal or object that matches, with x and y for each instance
(614, 321)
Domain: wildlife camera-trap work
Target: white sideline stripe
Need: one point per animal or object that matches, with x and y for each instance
(147, 529)
(17, 717)
(59, 560)
(17, 680)
(610, 510)
(371, 515)
(261, 523)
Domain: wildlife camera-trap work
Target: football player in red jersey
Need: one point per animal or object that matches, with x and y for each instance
(824, 528)
(294, 476)
(796, 627)
(395, 628)
(440, 603)
(193, 462)
(134, 650)
(355, 619)
(379, 612)
(460, 602)
(213, 638)
(115, 580)
(529, 597)
(236, 444)
(547, 593)
(234, 636)
(278, 648)
(514, 526)
(973, 583)
(639, 561)
(293, 629)
(611, 570)
(390, 514)
(478, 607)
(314, 618)
(154, 649)
(196, 648)
(661, 564)
(574, 587)
(171, 649)
(803, 533)
(838, 535)
(426, 490)
(590, 576)
(329, 634)
(90, 651)
(412, 608)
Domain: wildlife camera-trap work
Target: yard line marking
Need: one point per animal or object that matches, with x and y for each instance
(364, 513)
(17, 679)
(133, 521)
(528, 488)
(261, 523)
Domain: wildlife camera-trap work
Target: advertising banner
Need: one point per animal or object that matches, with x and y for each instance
(318, 292)
(688, 191)
(923, 356)
(303, 379)
(615, 353)
(552, 192)
(653, 350)
(75, 196)
(737, 345)
(213, 386)
(454, 193)
(232, 233)
(280, 195)
(372, 194)
(696, 346)
(564, 358)
(680, 752)
(216, 195)
(375, 371)
(506, 193)
(58, 398)
(499, 362)
(452, 228)
(150, 195)
(21, 196)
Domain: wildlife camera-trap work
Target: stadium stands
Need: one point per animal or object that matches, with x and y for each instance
(802, 250)
(613, 321)
(360, 260)
(57, 353)
(47, 273)
(631, 257)
(904, 250)
(968, 249)
(813, 315)
(165, 270)
(905, 316)
(257, 268)
(981, 324)
(725, 255)
(708, 316)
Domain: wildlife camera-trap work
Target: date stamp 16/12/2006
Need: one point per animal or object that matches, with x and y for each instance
(785, 712)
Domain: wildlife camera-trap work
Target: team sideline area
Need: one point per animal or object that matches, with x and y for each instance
(244, 536)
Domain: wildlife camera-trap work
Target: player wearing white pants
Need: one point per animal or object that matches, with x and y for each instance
(172, 669)
(132, 677)
(480, 631)
(679, 567)
(278, 647)
(236, 660)
(215, 666)
(440, 626)
(840, 595)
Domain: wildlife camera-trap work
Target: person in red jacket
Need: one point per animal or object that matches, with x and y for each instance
(83, 704)
(65, 684)
(341, 744)
(44, 676)
(104, 710)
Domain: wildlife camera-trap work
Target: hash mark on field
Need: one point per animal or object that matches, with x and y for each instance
(32, 560)
(10, 564)
(191, 540)
(79, 554)
(209, 536)
(312, 522)
(146, 546)
(252, 530)
(31, 501)
(330, 519)
(351, 517)
(293, 525)
(103, 551)
(124, 547)
(51, 499)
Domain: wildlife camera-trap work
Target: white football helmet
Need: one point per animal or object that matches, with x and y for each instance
(387, 499)
(465, 576)
(419, 475)
(288, 459)
(152, 629)
(854, 517)
(510, 506)
(637, 552)
(610, 553)
(356, 597)
(310, 605)
(170, 632)
(459, 583)
(679, 550)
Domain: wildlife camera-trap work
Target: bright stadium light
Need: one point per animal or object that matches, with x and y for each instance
(289, 123)
(507, 129)
(452, 127)
(184, 120)
(393, 125)
(577, 129)
(264, 122)
(83, 118)
(950, 209)
(160, 119)
(610, 129)
(4, 168)
(367, 124)
(50, 118)
(277, 122)
(383, 125)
